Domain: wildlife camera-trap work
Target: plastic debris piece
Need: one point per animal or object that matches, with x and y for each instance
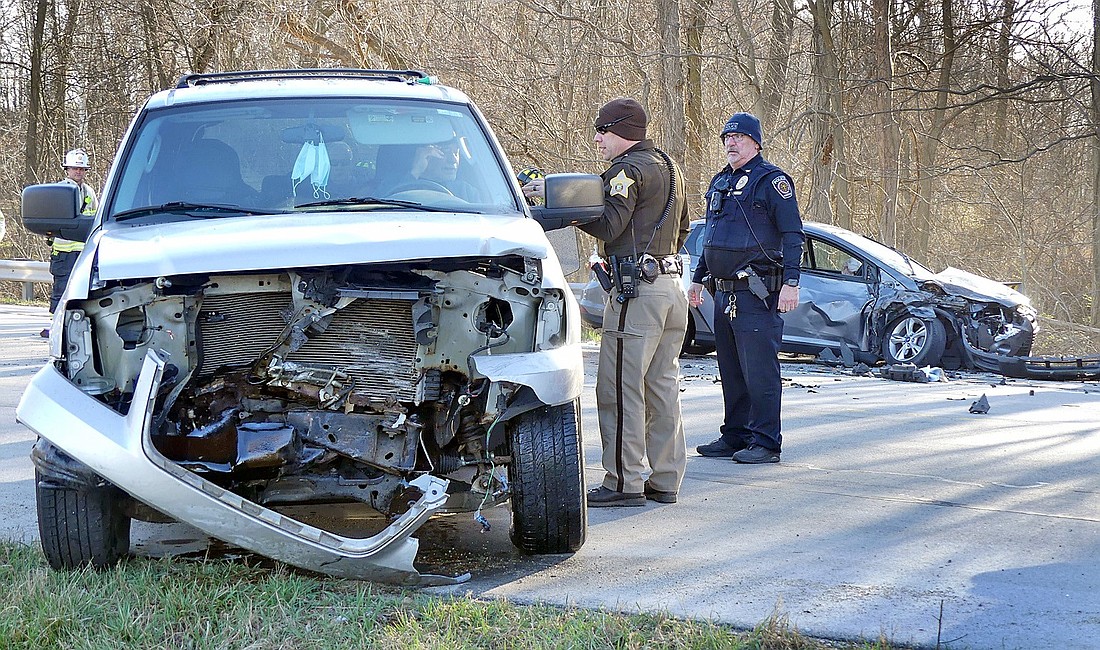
(903, 372)
(981, 405)
(934, 374)
(847, 357)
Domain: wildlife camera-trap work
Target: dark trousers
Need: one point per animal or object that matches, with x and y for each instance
(61, 265)
(748, 362)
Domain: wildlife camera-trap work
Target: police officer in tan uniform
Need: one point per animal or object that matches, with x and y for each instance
(642, 228)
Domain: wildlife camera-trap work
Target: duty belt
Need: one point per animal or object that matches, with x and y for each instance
(773, 281)
(667, 265)
(670, 265)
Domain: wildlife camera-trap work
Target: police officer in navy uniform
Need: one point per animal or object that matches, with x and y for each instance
(643, 226)
(752, 252)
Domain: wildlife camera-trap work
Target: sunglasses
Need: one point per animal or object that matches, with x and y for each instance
(602, 128)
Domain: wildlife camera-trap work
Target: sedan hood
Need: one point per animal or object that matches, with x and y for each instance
(976, 287)
(310, 239)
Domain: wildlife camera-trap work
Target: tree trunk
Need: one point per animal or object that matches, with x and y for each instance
(891, 132)
(775, 73)
(828, 171)
(1094, 86)
(695, 123)
(671, 89)
(34, 103)
(68, 123)
(929, 148)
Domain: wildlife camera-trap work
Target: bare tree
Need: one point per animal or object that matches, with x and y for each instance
(1094, 87)
(670, 93)
(890, 133)
(930, 142)
(828, 167)
(34, 99)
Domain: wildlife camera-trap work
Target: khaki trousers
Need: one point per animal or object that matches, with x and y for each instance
(638, 387)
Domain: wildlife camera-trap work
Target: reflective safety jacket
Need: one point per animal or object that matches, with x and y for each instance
(89, 205)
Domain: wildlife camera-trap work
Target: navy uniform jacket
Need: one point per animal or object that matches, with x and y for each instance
(752, 220)
(636, 188)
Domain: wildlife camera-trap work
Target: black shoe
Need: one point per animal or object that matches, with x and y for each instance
(602, 497)
(660, 496)
(755, 454)
(720, 448)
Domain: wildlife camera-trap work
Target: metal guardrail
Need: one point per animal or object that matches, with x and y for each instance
(26, 271)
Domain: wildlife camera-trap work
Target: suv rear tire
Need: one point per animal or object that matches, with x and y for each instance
(549, 514)
(79, 527)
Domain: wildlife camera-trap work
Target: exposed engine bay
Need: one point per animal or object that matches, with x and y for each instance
(324, 384)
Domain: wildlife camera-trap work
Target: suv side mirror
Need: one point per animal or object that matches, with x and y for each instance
(571, 199)
(53, 209)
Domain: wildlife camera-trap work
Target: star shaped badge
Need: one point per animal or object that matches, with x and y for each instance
(620, 184)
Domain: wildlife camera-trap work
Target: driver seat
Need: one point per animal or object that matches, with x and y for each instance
(393, 166)
(209, 171)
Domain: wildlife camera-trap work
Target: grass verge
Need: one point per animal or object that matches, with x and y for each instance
(221, 604)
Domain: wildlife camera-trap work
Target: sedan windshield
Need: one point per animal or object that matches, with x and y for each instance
(277, 156)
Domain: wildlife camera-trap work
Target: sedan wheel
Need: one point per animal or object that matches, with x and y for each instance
(690, 345)
(914, 340)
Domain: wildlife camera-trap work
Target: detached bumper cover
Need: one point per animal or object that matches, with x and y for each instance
(1063, 368)
(118, 448)
(1052, 368)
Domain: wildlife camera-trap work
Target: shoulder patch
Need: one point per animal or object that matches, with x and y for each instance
(782, 184)
(620, 184)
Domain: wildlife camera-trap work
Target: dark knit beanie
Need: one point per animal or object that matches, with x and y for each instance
(624, 117)
(746, 123)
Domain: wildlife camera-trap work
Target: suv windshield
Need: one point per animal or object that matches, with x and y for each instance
(273, 156)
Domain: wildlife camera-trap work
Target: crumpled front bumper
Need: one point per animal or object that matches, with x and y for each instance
(1043, 367)
(118, 448)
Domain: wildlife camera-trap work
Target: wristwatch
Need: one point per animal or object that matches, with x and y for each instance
(793, 282)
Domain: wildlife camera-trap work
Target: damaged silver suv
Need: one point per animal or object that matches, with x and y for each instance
(310, 287)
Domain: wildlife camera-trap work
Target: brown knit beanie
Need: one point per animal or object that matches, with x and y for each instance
(624, 117)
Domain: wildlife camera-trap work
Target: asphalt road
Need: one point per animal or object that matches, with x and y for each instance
(892, 504)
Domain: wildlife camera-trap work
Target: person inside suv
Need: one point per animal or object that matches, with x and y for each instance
(437, 166)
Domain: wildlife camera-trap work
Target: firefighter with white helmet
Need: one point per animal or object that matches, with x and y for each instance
(63, 252)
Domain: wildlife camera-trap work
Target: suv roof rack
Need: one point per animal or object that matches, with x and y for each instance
(201, 79)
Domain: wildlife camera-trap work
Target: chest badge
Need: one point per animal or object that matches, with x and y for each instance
(741, 183)
(620, 184)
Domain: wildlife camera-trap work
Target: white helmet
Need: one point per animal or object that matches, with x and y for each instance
(76, 158)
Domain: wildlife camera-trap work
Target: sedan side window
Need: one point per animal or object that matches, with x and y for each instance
(822, 256)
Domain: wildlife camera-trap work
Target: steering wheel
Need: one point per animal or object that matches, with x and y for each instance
(421, 184)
